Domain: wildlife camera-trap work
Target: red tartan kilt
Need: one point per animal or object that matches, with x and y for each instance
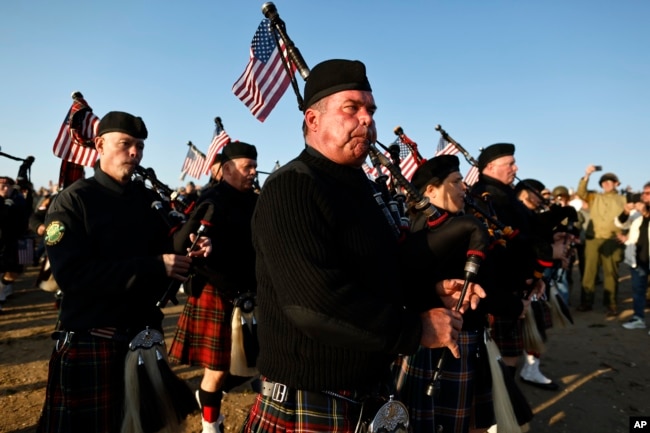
(204, 333)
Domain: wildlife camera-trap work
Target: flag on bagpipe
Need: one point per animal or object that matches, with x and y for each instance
(194, 162)
(74, 144)
(472, 176)
(75, 140)
(265, 78)
(447, 148)
(407, 165)
(219, 140)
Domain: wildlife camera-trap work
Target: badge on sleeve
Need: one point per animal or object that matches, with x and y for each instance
(54, 233)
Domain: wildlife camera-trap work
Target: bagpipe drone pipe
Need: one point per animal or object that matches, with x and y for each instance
(176, 201)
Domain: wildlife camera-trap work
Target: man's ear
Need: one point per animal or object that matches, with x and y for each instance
(99, 144)
(311, 119)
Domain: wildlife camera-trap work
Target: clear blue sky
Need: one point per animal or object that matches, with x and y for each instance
(566, 81)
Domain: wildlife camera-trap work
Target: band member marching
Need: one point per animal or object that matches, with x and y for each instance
(223, 282)
(112, 257)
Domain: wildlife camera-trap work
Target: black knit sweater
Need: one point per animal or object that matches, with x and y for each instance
(329, 292)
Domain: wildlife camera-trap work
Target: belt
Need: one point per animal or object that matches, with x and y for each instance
(107, 333)
(278, 392)
(281, 393)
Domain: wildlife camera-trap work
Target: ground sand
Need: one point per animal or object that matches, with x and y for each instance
(603, 369)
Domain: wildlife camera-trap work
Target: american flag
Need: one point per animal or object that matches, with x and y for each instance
(446, 148)
(472, 176)
(219, 140)
(408, 163)
(194, 162)
(408, 166)
(75, 140)
(265, 78)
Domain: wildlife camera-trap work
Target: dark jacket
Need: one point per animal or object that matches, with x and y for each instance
(104, 242)
(330, 297)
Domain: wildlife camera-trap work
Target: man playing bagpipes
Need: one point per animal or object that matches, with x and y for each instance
(517, 267)
(453, 394)
(545, 220)
(223, 282)
(112, 256)
(330, 292)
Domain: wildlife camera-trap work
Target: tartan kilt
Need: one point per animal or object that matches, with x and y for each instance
(85, 387)
(508, 335)
(204, 332)
(303, 412)
(465, 387)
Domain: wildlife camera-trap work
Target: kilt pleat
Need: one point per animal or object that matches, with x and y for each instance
(204, 332)
(85, 388)
(464, 399)
(306, 412)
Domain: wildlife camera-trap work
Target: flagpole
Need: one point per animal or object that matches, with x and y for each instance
(271, 13)
(462, 150)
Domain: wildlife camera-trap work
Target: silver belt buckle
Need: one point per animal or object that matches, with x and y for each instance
(279, 393)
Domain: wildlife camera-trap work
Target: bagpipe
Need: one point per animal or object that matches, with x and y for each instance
(175, 200)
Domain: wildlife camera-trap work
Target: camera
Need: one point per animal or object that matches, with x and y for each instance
(633, 197)
(598, 168)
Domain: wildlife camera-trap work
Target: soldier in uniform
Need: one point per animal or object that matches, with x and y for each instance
(203, 337)
(112, 257)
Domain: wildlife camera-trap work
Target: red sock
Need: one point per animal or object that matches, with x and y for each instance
(210, 404)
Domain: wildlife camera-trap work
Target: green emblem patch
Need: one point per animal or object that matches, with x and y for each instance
(54, 233)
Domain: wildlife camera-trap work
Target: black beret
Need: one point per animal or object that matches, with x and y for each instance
(217, 159)
(493, 152)
(529, 184)
(437, 168)
(333, 76)
(118, 121)
(608, 176)
(238, 149)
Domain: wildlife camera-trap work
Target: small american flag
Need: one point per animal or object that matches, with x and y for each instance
(265, 78)
(446, 148)
(75, 140)
(472, 176)
(194, 162)
(408, 162)
(408, 166)
(219, 140)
